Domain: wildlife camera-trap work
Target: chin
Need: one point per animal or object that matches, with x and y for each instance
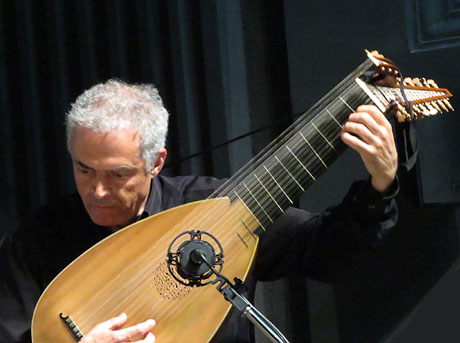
(110, 217)
(106, 221)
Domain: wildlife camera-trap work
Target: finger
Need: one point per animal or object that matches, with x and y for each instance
(380, 133)
(365, 118)
(376, 114)
(150, 338)
(135, 332)
(360, 130)
(114, 323)
(356, 143)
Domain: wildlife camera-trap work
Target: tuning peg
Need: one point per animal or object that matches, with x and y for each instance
(418, 112)
(431, 110)
(441, 104)
(408, 82)
(428, 110)
(374, 53)
(402, 115)
(436, 106)
(424, 82)
(424, 110)
(417, 82)
(447, 103)
(431, 83)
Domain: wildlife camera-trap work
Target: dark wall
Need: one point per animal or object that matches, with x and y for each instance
(326, 40)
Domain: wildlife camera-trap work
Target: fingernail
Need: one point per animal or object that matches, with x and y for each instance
(151, 322)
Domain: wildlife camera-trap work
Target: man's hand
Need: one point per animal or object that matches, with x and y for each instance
(368, 132)
(111, 332)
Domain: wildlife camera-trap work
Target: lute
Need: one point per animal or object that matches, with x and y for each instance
(129, 272)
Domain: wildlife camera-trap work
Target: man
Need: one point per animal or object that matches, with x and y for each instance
(115, 135)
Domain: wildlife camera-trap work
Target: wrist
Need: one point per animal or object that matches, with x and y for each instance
(382, 185)
(391, 191)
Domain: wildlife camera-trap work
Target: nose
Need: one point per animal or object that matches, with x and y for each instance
(100, 189)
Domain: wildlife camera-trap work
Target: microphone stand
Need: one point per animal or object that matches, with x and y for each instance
(228, 290)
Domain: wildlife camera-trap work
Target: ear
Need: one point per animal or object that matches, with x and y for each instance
(159, 162)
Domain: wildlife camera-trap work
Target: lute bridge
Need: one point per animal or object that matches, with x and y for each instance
(72, 326)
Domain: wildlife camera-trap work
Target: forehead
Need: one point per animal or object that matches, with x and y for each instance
(106, 150)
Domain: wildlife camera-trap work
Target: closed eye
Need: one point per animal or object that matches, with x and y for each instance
(82, 168)
(123, 172)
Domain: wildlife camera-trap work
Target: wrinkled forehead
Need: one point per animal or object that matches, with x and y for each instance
(107, 150)
(124, 138)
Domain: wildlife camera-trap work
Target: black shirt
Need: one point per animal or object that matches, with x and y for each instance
(46, 241)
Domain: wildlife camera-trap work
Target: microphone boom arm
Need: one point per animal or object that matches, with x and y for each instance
(228, 290)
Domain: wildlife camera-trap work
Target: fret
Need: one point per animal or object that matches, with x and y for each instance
(351, 109)
(255, 217)
(258, 203)
(266, 190)
(289, 173)
(317, 155)
(335, 120)
(281, 188)
(300, 162)
(265, 197)
(308, 155)
(238, 234)
(247, 228)
(327, 141)
(329, 130)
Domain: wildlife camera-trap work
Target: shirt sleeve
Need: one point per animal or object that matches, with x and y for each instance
(308, 243)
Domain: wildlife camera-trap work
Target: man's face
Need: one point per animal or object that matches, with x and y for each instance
(110, 175)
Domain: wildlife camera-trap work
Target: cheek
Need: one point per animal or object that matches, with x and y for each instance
(135, 192)
(128, 194)
(81, 183)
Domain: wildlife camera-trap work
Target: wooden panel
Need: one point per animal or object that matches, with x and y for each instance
(432, 24)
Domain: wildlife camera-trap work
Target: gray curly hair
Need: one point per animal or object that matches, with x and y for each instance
(115, 105)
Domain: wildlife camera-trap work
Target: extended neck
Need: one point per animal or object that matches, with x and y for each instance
(276, 177)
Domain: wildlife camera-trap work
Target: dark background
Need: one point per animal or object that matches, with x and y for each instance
(225, 68)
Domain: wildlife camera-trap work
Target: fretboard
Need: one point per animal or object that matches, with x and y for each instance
(277, 176)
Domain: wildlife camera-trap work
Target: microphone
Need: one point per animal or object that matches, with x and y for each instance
(192, 256)
(196, 259)
(197, 254)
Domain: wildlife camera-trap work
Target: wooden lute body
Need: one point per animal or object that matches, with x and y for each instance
(129, 274)
(128, 271)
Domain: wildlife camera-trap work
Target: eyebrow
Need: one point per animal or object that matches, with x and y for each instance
(116, 170)
(81, 164)
(123, 169)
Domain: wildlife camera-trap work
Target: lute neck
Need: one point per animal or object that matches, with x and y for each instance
(277, 176)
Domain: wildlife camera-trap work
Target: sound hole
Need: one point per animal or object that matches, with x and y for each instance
(166, 286)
